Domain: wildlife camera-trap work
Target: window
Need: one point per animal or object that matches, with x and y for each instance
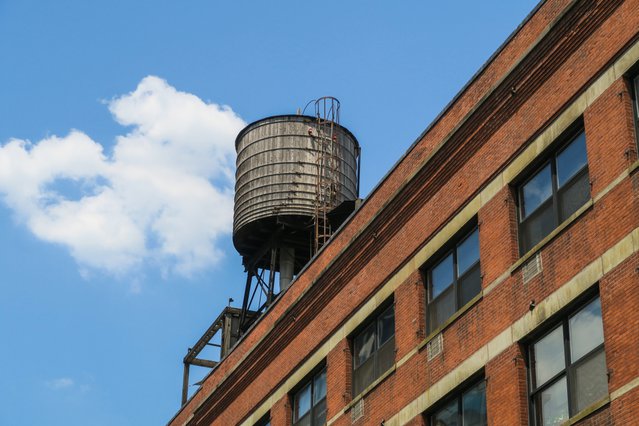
(453, 280)
(554, 192)
(465, 409)
(309, 403)
(568, 367)
(374, 350)
(264, 421)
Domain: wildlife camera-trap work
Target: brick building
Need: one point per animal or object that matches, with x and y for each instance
(492, 277)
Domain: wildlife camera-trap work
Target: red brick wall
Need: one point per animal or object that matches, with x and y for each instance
(338, 378)
(506, 388)
(282, 412)
(620, 306)
(624, 409)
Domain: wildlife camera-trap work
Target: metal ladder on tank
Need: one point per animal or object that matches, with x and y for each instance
(327, 145)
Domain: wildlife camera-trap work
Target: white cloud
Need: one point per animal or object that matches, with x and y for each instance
(164, 196)
(59, 384)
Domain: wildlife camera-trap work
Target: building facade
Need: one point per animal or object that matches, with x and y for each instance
(492, 277)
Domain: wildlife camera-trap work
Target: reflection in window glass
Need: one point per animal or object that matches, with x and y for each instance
(536, 191)
(441, 309)
(549, 356)
(538, 226)
(319, 391)
(364, 345)
(573, 195)
(474, 406)
(468, 252)
(447, 415)
(386, 356)
(303, 401)
(554, 404)
(363, 376)
(591, 381)
(586, 330)
(386, 326)
(469, 286)
(319, 418)
(442, 276)
(571, 159)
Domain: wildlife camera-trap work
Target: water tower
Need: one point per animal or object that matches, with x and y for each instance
(297, 179)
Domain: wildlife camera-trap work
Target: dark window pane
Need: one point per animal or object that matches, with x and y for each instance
(468, 253)
(554, 404)
(385, 357)
(363, 376)
(319, 413)
(441, 276)
(574, 195)
(586, 330)
(447, 416)
(536, 227)
(264, 421)
(549, 356)
(474, 406)
(441, 309)
(374, 350)
(303, 402)
(571, 159)
(364, 345)
(386, 325)
(591, 381)
(636, 108)
(636, 86)
(319, 387)
(304, 421)
(536, 191)
(469, 285)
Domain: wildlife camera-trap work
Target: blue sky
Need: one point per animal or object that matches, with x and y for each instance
(117, 122)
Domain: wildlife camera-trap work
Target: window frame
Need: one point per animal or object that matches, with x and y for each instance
(457, 396)
(373, 320)
(550, 158)
(569, 368)
(451, 247)
(309, 380)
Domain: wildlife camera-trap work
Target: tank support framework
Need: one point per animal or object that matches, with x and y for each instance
(256, 284)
